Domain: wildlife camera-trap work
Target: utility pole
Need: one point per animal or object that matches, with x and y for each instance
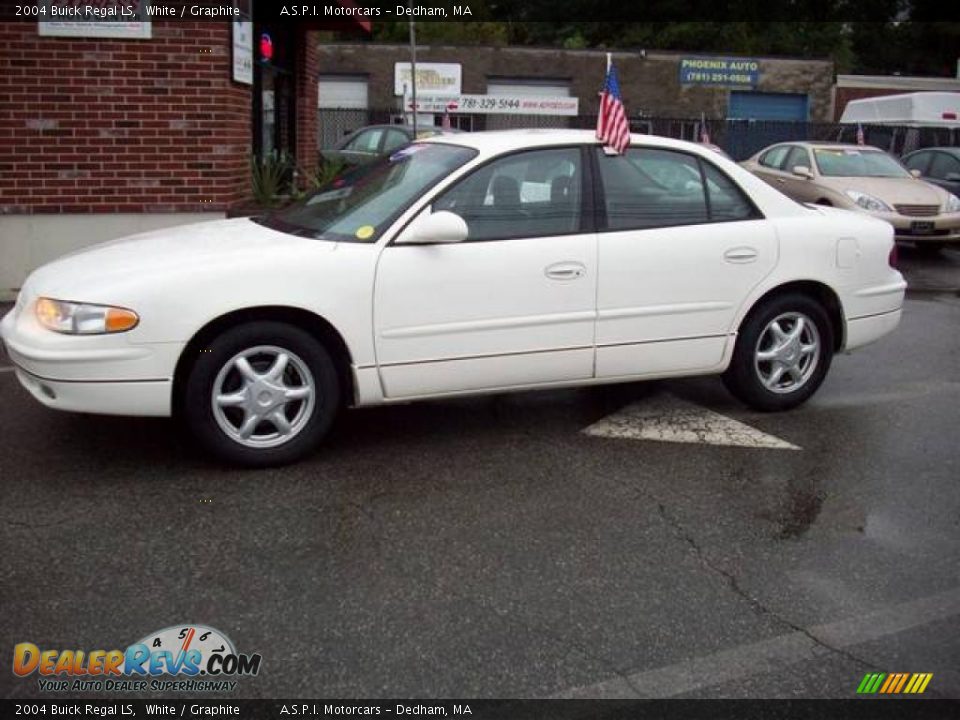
(413, 71)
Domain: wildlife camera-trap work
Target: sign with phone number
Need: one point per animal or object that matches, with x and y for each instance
(495, 104)
(719, 71)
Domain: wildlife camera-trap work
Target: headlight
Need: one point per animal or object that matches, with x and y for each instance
(84, 319)
(868, 202)
(953, 203)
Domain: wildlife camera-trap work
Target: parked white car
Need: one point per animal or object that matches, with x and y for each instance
(473, 263)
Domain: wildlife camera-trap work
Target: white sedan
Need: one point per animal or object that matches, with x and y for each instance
(471, 263)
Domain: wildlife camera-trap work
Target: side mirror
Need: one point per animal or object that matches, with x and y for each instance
(915, 173)
(802, 171)
(438, 227)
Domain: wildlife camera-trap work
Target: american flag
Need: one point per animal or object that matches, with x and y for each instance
(860, 140)
(613, 129)
(704, 133)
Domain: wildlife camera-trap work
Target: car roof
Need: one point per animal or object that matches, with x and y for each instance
(499, 141)
(955, 151)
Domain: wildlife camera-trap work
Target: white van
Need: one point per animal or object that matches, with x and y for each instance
(906, 122)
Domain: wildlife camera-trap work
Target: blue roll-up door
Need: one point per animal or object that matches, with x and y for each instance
(756, 120)
(767, 106)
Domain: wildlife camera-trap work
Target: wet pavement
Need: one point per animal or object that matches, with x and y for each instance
(489, 547)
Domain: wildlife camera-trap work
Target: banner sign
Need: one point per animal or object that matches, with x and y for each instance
(495, 104)
(436, 78)
(719, 71)
(115, 19)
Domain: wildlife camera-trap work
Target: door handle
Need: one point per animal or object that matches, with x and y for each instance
(565, 271)
(740, 255)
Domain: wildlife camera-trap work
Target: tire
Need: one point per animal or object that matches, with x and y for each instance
(760, 351)
(246, 406)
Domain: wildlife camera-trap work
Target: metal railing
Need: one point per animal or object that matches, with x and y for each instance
(739, 138)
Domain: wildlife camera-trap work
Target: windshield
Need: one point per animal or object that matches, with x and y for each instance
(849, 162)
(359, 205)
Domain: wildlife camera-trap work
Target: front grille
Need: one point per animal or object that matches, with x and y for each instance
(918, 210)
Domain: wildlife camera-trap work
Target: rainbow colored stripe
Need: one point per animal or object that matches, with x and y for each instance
(894, 683)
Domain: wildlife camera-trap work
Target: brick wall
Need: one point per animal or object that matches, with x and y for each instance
(144, 126)
(306, 102)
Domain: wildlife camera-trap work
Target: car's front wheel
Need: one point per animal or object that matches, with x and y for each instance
(782, 354)
(261, 394)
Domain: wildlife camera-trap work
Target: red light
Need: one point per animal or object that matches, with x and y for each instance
(266, 46)
(949, 116)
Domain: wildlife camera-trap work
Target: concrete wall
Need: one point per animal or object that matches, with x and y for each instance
(649, 80)
(29, 241)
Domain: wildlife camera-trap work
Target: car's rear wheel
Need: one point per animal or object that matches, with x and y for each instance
(782, 354)
(261, 394)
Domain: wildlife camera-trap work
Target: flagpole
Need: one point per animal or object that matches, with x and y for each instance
(609, 61)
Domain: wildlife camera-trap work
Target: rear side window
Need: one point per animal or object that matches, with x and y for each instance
(774, 158)
(728, 203)
(647, 188)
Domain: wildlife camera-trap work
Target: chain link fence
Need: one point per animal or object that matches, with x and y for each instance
(739, 138)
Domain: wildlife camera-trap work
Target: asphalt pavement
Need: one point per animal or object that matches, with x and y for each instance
(489, 547)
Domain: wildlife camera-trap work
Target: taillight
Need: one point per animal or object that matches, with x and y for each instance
(892, 259)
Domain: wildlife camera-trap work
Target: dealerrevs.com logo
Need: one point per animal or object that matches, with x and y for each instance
(179, 658)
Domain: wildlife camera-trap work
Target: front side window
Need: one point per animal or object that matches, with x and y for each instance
(774, 158)
(367, 142)
(920, 161)
(528, 194)
(798, 156)
(944, 165)
(360, 204)
(394, 140)
(850, 162)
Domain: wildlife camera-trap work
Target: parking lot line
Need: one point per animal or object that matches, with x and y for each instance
(666, 418)
(768, 655)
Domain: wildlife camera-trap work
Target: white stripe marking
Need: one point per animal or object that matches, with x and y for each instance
(668, 419)
(769, 655)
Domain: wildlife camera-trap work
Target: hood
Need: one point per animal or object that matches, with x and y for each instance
(893, 191)
(97, 273)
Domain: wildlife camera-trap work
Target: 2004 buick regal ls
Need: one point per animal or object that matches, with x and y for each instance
(473, 263)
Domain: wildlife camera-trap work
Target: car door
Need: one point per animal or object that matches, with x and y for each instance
(514, 304)
(676, 262)
(801, 189)
(767, 166)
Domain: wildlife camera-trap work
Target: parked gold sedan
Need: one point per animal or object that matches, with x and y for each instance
(866, 179)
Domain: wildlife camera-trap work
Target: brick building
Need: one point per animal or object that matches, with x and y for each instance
(103, 136)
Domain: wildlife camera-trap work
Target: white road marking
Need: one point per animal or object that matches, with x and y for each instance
(669, 419)
(773, 654)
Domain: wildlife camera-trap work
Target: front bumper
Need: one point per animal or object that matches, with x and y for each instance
(937, 228)
(103, 374)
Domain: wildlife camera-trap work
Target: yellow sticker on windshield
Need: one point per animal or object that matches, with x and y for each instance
(364, 232)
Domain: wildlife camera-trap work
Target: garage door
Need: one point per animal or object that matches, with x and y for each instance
(341, 106)
(768, 106)
(755, 120)
(525, 87)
